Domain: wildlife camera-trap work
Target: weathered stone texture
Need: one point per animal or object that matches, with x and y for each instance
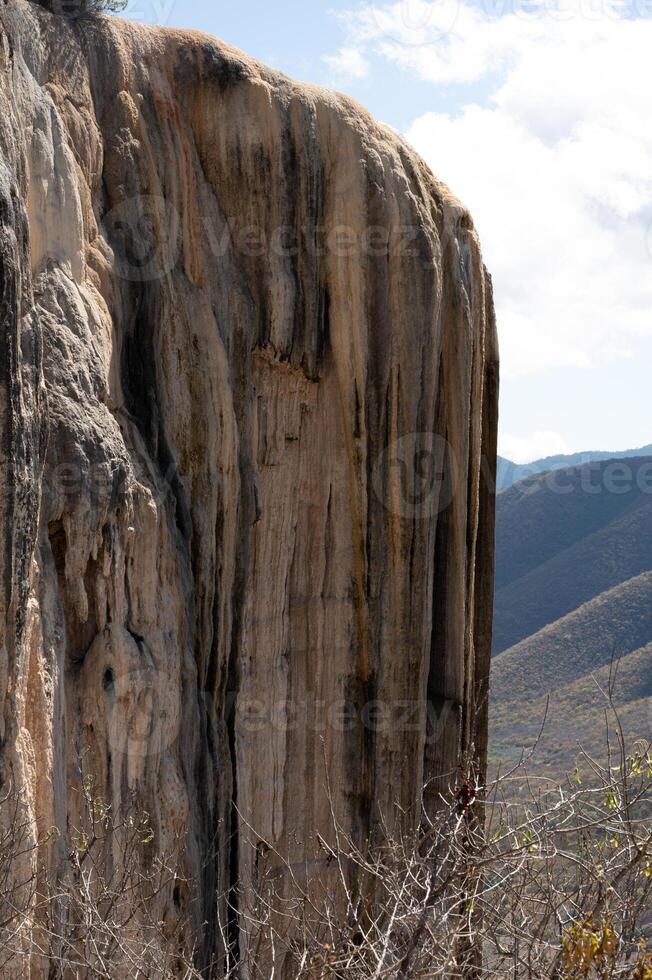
(221, 423)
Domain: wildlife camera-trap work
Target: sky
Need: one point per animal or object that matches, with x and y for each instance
(538, 115)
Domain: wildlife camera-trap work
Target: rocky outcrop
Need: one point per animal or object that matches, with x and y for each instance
(248, 375)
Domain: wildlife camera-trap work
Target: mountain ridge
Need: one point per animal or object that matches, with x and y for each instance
(509, 472)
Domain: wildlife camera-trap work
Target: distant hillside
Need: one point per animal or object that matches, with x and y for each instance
(573, 593)
(564, 538)
(619, 620)
(570, 661)
(510, 473)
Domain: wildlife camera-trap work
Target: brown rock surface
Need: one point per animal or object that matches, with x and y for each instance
(225, 406)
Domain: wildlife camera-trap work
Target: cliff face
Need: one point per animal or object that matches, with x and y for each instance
(248, 372)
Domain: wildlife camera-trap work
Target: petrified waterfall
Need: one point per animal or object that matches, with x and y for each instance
(248, 401)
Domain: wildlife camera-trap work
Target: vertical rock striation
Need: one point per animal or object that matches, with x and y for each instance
(248, 377)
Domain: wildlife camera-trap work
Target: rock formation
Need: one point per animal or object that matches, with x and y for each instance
(248, 376)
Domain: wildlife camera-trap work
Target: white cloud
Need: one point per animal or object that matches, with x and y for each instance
(537, 445)
(347, 63)
(555, 164)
